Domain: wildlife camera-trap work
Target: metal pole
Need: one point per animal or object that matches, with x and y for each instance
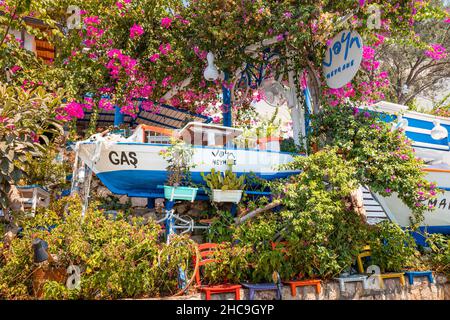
(87, 190)
(308, 110)
(118, 117)
(227, 120)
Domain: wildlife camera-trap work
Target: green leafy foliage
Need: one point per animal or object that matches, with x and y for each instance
(48, 170)
(179, 156)
(229, 265)
(118, 258)
(226, 181)
(221, 228)
(383, 159)
(324, 233)
(26, 126)
(392, 248)
(440, 253)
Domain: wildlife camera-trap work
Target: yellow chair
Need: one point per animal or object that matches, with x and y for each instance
(365, 253)
(392, 275)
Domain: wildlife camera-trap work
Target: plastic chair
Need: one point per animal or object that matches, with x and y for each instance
(365, 253)
(302, 283)
(206, 251)
(412, 274)
(253, 287)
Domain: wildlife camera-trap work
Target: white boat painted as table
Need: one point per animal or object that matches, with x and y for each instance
(134, 166)
(435, 152)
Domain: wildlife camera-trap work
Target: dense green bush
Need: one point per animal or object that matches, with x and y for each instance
(324, 232)
(440, 253)
(118, 258)
(392, 248)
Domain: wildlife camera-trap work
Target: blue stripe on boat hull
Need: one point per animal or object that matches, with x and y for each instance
(420, 239)
(143, 183)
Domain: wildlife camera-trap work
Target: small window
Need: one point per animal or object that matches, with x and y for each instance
(157, 138)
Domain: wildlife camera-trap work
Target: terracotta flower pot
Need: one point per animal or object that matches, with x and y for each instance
(46, 273)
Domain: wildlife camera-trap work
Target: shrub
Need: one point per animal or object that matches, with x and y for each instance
(392, 248)
(230, 264)
(440, 253)
(118, 258)
(323, 230)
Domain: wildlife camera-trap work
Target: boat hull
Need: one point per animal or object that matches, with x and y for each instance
(437, 220)
(138, 169)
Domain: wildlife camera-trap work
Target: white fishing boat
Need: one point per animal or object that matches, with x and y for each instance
(429, 135)
(135, 167)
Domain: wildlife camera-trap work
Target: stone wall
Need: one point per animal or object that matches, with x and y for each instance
(420, 290)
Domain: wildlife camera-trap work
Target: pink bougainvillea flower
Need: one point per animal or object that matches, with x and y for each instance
(437, 52)
(361, 3)
(136, 31)
(92, 20)
(15, 68)
(368, 53)
(165, 48)
(383, 74)
(154, 57)
(105, 104)
(287, 15)
(147, 105)
(166, 22)
(165, 81)
(72, 110)
(120, 3)
(447, 20)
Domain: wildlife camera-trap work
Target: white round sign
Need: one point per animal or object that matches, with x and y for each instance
(343, 58)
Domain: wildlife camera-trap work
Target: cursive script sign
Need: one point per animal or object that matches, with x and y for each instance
(342, 58)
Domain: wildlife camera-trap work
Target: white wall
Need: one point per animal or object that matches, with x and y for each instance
(29, 41)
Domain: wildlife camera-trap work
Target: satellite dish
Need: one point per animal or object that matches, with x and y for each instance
(274, 93)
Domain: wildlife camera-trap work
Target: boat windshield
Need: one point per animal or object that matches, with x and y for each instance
(207, 135)
(203, 134)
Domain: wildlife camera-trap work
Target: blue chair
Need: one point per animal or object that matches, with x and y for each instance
(253, 287)
(412, 274)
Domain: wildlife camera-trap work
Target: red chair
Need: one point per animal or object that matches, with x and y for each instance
(206, 251)
(301, 283)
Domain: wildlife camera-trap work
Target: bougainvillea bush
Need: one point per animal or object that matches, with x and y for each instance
(382, 157)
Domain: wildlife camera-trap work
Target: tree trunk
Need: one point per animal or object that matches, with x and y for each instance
(357, 202)
(14, 199)
(250, 215)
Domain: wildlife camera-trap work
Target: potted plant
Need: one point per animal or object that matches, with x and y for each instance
(179, 156)
(268, 133)
(227, 187)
